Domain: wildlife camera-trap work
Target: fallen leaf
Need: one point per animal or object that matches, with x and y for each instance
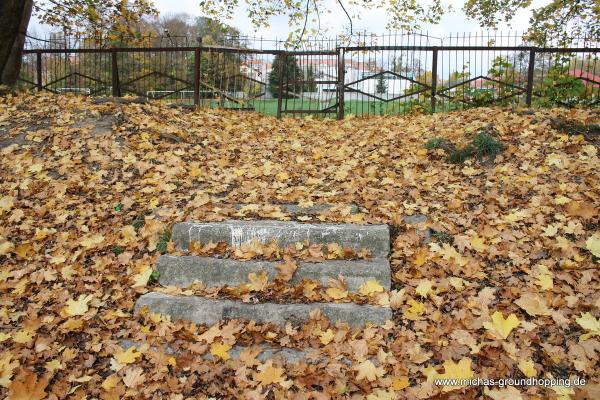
(500, 327)
(28, 387)
(269, 374)
(369, 287)
(128, 356)
(6, 369)
(368, 371)
(336, 293)
(527, 367)
(221, 350)
(77, 307)
(593, 245)
(507, 393)
(533, 304)
(423, 288)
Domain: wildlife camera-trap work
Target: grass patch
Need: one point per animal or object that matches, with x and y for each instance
(442, 237)
(163, 241)
(482, 145)
(485, 145)
(438, 143)
(154, 277)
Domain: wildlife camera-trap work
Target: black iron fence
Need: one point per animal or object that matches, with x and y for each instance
(365, 75)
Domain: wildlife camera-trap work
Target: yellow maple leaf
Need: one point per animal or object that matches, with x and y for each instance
(545, 282)
(23, 336)
(221, 350)
(54, 365)
(459, 370)
(258, 283)
(6, 369)
(478, 244)
(6, 203)
(424, 287)
(368, 371)
(141, 279)
(326, 337)
(77, 307)
(128, 356)
(111, 382)
(550, 231)
(308, 289)
(269, 374)
(554, 159)
(500, 327)
(380, 394)
(397, 298)
(415, 311)
(128, 233)
(6, 247)
(91, 241)
(336, 293)
(400, 382)
(507, 393)
(590, 324)
(421, 256)
(282, 176)
(593, 245)
(527, 367)
(369, 287)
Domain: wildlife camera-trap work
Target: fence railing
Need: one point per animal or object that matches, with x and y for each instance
(361, 79)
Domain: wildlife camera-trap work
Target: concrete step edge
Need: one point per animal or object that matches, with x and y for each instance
(185, 270)
(375, 238)
(206, 311)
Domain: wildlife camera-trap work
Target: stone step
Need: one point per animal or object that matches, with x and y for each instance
(183, 271)
(375, 238)
(265, 352)
(206, 311)
(295, 210)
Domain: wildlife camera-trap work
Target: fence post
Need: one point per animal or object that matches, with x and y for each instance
(434, 65)
(282, 65)
(530, 71)
(38, 55)
(116, 90)
(341, 82)
(197, 56)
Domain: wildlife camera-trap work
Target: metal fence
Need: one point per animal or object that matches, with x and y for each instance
(360, 75)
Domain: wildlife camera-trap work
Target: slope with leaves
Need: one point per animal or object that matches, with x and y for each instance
(508, 285)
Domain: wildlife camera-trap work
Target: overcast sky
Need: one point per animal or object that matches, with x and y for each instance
(372, 20)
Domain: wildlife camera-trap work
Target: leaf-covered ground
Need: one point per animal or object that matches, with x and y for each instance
(506, 286)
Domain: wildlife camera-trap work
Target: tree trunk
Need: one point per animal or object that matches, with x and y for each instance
(14, 19)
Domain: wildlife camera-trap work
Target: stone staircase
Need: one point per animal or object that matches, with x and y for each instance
(182, 271)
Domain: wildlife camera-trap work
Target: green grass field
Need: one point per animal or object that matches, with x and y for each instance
(355, 107)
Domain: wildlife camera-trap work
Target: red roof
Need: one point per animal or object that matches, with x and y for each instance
(586, 77)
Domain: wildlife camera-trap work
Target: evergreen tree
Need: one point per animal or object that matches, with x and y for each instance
(310, 86)
(291, 75)
(382, 85)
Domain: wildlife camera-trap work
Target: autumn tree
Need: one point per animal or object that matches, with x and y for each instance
(95, 17)
(559, 19)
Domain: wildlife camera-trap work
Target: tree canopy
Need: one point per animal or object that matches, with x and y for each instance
(559, 19)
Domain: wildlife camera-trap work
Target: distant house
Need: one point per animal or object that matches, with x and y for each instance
(589, 80)
(256, 69)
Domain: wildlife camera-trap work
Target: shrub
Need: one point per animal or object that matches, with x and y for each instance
(437, 143)
(485, 145)
(459, 156)
(481, 146)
